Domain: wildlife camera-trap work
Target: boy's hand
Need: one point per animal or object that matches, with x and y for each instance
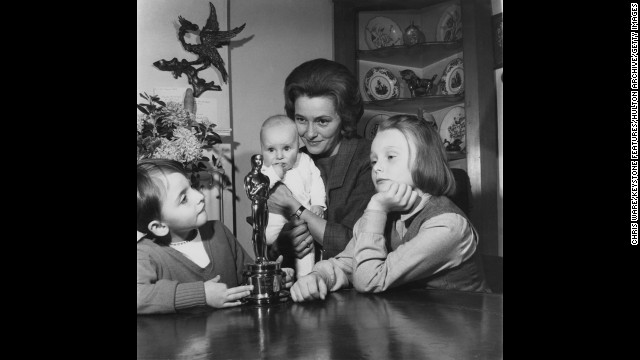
(318, 210)
(398, 197)
(218, 296)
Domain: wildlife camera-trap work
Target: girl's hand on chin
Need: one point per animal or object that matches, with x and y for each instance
(397, 197)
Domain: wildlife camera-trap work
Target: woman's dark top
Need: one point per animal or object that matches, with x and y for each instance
(347, 180)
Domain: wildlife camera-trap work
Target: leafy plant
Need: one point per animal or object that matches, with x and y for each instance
(169, 131)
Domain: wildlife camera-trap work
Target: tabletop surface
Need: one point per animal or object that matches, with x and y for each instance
(404, 324)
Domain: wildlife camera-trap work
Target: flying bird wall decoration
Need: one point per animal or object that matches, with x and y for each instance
(210, 38)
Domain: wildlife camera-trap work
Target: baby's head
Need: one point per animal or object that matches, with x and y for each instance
(408, 150)
(167, 204)
(279, 141)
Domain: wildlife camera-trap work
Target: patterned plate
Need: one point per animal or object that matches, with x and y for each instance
(372, 125)
(382, 32)
(453, 78)
(453, 129)
(381, 84)
(450, 25)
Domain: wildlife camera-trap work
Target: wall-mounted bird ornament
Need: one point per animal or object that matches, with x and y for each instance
(210, 38)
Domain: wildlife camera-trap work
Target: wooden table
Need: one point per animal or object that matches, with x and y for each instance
(403, 324)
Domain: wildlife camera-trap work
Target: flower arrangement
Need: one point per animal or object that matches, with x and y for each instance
(169, 131)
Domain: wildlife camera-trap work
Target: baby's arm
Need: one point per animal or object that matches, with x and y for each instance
(318, 210)
(275, 174)
(318, 194)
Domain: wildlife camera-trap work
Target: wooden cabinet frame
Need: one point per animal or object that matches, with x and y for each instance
(480, 97)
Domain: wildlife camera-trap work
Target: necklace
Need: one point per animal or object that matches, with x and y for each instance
(192, 236)
(180, 243)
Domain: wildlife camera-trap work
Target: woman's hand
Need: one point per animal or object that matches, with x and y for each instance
(281, 201)
(299, 236)
(398, 197)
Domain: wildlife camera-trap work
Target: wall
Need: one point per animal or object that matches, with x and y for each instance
(157, 29)
(280, 34)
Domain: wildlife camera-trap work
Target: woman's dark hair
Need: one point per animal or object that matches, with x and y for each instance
(151, 189)
(322, 77)
(430, 171)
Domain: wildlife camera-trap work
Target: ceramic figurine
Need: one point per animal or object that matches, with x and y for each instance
(412, 35)
(417, 86)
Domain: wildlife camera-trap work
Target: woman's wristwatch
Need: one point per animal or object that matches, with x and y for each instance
(298, 212)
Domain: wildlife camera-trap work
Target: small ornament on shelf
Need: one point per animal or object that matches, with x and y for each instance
(412, 35)
(428, 117)
(417, 86)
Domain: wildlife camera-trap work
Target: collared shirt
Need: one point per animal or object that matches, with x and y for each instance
(443, 242)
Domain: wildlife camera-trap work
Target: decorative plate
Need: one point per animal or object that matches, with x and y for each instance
(450, 25)
(453, 78)
(381, 84)
(382, 32)
(372, 125)
(453, 129)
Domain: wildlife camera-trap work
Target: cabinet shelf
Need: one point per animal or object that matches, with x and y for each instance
(412, 56)
(455, 155)
(410, 105)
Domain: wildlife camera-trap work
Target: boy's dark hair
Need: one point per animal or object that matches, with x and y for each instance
(430, 171)
(322, 77)
(151, 190)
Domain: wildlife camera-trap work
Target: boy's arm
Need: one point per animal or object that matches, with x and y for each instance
(164, 296)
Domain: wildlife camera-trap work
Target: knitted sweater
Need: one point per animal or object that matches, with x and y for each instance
(434, 246)
(168, 281)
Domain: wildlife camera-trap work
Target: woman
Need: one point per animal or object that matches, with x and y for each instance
(324, 100)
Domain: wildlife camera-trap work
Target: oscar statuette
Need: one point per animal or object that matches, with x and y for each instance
(266, 276)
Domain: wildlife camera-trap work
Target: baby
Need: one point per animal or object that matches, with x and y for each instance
(283, 162)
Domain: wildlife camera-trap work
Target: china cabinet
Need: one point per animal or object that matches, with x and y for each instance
(454, 48)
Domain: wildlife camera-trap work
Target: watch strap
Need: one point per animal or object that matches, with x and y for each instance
(299, 212)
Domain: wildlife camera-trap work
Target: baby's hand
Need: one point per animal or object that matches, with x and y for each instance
(217, 295)
(280, 170)
(318, 210)
(398, 197)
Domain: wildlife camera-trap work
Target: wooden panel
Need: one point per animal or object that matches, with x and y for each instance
(345, 35)
(480, 105)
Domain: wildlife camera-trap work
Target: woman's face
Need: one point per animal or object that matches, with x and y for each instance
(318, 124)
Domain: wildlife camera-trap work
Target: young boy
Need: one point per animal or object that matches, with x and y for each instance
(184, 260)
(283, 162)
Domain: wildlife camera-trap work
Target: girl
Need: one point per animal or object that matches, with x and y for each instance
(410, 232)
(183, 260)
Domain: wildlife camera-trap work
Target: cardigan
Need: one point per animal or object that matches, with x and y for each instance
(468, 275)
(349, 188)
(168, 281)
(431, 242)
